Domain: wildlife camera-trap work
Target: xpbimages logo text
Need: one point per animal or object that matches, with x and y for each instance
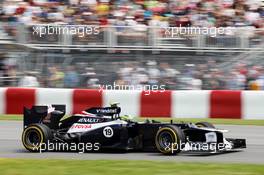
(64, 147)
(171, 32)
(146, 88)
(51, 29)
(195, 146)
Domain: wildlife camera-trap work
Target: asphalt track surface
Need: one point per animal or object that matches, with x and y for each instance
(11, 147)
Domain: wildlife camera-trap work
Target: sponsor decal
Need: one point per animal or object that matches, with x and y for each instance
(106, 110)
(88, 120)
(211, 137)
(81, 126)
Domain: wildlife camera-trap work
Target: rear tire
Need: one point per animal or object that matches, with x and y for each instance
(35, 135)
(205, 125)
(170, 140)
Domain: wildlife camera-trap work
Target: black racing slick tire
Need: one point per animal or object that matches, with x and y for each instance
(205, 125)
(35, 136)
(170, 140)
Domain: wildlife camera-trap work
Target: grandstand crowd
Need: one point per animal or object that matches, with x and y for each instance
(137, 13)
(191, 77)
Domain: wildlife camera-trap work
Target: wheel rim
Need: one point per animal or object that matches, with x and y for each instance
(33, 138)
(166, 139)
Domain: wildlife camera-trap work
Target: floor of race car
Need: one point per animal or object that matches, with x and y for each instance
(11, 147)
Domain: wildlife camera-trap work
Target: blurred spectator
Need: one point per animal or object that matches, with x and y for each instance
(153, 72)
(56, 78)
(261, 79)
(236, 81)
(166, 70)
(196, 83)
(90, 79)
(28, 80)
(71, 78)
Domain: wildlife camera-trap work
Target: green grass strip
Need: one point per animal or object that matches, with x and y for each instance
(121, 167)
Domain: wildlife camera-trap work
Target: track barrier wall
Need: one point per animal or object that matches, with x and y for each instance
(175, 104)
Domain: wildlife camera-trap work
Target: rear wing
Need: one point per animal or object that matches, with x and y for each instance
(37, 113)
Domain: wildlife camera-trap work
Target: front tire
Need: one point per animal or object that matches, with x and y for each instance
(170, 140)
(35, 135)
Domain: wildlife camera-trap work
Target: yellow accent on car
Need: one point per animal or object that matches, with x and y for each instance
(24, 135)
(173, 136)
